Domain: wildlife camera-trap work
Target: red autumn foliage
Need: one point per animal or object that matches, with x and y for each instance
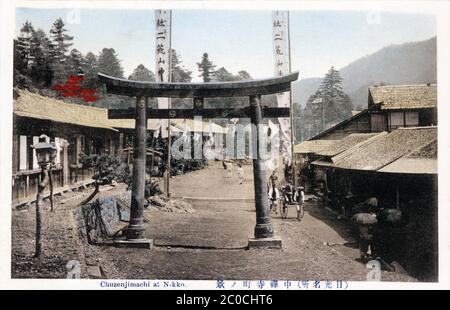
(72, 88)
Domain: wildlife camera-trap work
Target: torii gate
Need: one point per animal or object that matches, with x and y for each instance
(198, 91)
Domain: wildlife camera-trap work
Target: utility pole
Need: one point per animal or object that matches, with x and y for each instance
(323, 112)
(169, 138)
(291, 114)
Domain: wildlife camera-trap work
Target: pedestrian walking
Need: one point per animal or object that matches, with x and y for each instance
(300, 199)
(228, 166)
(240, 172)
(366, 225)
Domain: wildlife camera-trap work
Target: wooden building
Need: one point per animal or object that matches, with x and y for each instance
(387, 151)
(75, 130)
(389, 107)
(399, 168)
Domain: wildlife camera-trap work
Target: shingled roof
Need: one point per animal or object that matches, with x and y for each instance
(347, 142)
(313, 146)
(404, 96)
(423, 160)
(385, 149)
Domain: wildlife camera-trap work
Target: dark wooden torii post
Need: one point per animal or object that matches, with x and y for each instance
(254, 89)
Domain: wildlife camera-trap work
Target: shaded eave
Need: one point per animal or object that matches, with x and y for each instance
(55, 120)
(342, 123)
(126, 87)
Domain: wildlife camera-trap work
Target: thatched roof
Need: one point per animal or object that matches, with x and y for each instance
(404, 96)
(152, 124)
(346, 143)
(313, 146)
(36, 106)
(385, 149)
(32, 105)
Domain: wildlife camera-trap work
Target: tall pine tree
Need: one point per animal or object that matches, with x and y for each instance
(41, 49)
(223, 75)
(244, 76)
(76, 59)
(90, 69)
(337, 104)
(179, 73)
(61, 40)
(109, 63)
(328, 105)
(141, 73)
(24, 47)
(206, 68)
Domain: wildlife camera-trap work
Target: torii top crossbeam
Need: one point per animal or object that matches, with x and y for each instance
(125, 87)
(254, 89)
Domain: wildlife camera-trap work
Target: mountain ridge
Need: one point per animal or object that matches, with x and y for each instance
(406, 63)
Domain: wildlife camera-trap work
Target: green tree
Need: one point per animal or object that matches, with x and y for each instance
(222, 75)
(314, 114)
(24, 47)
(90, 69)
(299, 124)
(106, 170)
(244, 76)
(41, 49)
(109, 63)
(338, 105)
(76, 59)
(61, 40)
(328, 105)
(206, 68)
(179, 73)
(141, 73)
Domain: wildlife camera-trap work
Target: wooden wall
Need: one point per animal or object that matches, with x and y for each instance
(358, 125)
(68, 171)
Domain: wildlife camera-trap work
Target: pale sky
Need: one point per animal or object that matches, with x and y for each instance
(236, 40)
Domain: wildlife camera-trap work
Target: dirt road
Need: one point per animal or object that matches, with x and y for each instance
(206, 244)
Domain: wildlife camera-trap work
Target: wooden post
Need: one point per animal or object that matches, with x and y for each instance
(41, 186)
(136, 228)
(121, 147)
(50, 183)
(263, 228)
(169, 155)
(66, 171)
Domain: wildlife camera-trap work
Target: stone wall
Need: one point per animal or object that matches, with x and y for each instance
(100, 220)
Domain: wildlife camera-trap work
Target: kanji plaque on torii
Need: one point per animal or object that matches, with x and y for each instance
(254, 89)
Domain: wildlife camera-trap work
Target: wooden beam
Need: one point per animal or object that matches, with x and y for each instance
(268, 112)
(201, 90)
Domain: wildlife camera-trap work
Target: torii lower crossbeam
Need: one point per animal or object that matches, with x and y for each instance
(198, 91)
